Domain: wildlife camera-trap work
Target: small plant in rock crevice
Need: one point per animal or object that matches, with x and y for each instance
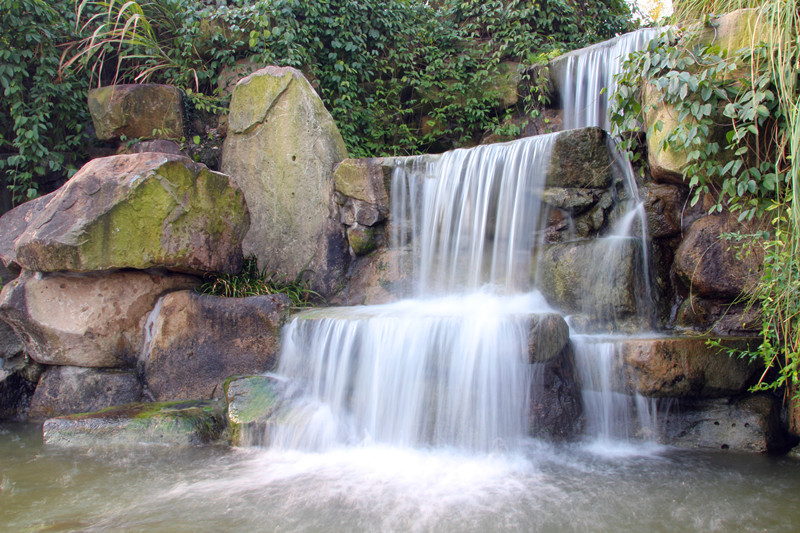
(254, 282)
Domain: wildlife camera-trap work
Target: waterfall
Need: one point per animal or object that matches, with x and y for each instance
(586, 82)
(451, 366)
(585, 78)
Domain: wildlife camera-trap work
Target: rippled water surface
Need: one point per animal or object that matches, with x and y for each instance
(373, 488)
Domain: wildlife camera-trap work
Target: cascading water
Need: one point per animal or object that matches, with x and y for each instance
(449, 368)
(586, 80)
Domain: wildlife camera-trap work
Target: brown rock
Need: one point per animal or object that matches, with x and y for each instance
(678, 367)
(196, 342)
(68, 389)
(663, 205)
(146, 111)
(91, 320)
(709, 265)
(380, 277)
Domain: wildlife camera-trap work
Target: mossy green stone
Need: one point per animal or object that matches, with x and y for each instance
(174, 423)
(252, 401)
(139, 211)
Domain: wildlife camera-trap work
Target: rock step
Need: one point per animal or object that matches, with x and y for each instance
(188, 423)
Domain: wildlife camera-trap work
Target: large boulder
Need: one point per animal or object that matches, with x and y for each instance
(12, 224)
(67, 389)
(710, 265)
(730, 32)
(172, 423)
(195, 342)
(138, 211)
(90, 320)
(581, 158)
(686, 367)
(146, 111)
(282, 147)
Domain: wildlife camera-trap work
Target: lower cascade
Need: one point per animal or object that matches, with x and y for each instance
(454, 364)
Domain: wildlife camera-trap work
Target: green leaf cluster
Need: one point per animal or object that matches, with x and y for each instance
(43, 115)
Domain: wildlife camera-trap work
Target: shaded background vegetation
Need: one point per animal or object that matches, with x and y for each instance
(399, 77)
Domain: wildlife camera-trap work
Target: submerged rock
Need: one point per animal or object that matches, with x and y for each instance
(89, 320)
(138, 211)
(252, 401)
(135, 111)
(68, 389)
(281, 149)
(189, 423)
(195, 342)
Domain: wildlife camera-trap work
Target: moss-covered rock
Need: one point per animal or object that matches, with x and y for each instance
(189, 423)
(363, 240)
(252, 401)
(600, 279)
(281, 149)
(147, 111)
(138, 211)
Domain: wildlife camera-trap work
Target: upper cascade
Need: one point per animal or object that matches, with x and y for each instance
(472, 215)
(582, 76)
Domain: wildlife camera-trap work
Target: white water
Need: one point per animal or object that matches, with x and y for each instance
(450, 367)
(587, 79)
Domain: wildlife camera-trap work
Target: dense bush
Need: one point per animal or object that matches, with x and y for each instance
(43, 114)
(399, 76)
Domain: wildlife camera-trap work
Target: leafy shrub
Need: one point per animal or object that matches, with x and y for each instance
(43, 117)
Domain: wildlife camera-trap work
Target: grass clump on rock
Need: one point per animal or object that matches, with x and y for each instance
(254, 282)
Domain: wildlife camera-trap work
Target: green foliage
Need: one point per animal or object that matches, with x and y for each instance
(43, 114)
(752, 95)
(727, 121)
(254, 282)
(398, 77)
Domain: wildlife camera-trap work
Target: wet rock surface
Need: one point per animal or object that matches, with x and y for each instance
(195, 342)
(67, 390)
(746, 424)
(189, 423)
